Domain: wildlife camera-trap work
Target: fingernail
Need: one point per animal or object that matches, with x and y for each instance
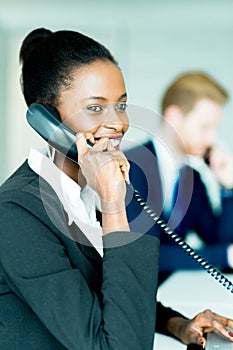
(230, 334)
(202, 344)
(127, 178)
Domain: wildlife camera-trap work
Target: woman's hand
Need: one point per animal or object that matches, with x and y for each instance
(105, 170)
(192, 331)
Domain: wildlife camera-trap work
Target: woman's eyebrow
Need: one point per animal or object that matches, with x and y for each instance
(122, 96)
(95, 98)
(103, 98)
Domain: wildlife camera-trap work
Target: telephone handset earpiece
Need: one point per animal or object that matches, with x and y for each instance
(46, 122)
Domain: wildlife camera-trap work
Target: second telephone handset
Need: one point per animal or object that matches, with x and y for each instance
(45, 120)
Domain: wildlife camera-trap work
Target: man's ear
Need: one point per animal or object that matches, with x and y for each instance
(173, 115)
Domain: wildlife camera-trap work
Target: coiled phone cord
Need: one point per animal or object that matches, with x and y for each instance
(214, 272)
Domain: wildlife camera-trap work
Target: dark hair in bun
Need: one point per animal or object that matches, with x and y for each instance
(49, 58)
(31, 41)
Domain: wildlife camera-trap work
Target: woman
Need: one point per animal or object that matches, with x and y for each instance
(66, 281)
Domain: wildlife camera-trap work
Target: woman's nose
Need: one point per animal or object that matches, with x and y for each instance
(116, 120)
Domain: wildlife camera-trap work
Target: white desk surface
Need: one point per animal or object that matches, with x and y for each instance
(191, 292)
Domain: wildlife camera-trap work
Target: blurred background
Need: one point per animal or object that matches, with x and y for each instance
(153, 41)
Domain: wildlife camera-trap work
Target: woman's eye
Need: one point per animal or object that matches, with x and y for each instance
(121, 106)
(95, 108)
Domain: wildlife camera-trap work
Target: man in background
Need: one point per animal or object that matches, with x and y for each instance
(186, 177)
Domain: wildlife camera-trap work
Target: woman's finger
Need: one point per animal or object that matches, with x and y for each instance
(103, 144)
(81, 143)
(220, 326)
(125, 172)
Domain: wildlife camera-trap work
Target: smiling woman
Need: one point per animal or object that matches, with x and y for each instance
(68, 280)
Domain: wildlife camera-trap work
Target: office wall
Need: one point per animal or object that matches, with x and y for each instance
(3, 79)
(153, 41)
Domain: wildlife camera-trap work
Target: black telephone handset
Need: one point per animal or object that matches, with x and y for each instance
(46, 122)
(207, 156)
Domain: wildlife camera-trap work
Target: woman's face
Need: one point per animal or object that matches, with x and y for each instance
(96, 102)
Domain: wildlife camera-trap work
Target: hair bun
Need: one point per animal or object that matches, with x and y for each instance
(31, 40)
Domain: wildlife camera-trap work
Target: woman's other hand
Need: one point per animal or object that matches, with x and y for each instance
(192, 331)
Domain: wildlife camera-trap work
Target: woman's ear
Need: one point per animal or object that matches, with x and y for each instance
(173, 115)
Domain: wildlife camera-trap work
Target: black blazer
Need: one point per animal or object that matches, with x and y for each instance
(192, 212)
(56, 292)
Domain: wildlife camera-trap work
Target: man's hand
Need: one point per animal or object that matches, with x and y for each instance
(221, 163)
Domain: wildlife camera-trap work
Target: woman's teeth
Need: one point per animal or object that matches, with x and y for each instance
(115, 142)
